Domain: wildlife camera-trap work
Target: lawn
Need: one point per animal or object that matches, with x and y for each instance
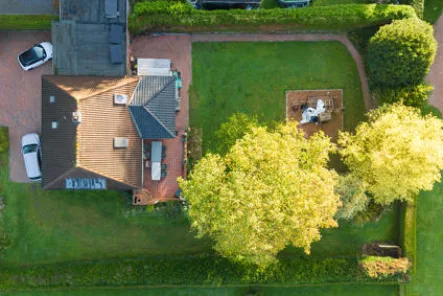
(55, 226)
(428, 279)
(253, 77)
(433, 10)
(333, 290)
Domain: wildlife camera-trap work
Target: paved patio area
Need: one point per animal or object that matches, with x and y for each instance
(178, 50)
(20, 94)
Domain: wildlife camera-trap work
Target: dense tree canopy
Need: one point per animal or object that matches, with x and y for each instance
(400, 54)
(398, 152)
(271, 189)
(233, 129)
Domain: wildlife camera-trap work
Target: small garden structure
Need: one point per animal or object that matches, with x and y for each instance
(334, 101)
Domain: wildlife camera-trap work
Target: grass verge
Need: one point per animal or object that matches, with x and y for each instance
(26, 22)
(433, 10)
(427, 280)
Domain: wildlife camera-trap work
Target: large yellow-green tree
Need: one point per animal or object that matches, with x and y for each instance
(271, 189)
(397, 153)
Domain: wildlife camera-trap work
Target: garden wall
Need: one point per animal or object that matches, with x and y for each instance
(180, 17)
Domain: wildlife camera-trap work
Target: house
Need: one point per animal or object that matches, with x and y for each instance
(94, 128)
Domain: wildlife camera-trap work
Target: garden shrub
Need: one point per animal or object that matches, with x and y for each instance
(166, 16)
(194, 148)
(4, 139)
(400, 54)
(414, 95)
(352, 195)
(381, 267)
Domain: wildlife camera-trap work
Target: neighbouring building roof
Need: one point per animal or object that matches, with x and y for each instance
(83, 155)
(153, 107)
(86, 41)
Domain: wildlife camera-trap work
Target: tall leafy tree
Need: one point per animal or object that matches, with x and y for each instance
(397, 153)
(272, 189)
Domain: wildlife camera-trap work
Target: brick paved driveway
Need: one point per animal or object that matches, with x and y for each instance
(20, 91)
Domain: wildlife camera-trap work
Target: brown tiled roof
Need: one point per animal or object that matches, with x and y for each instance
(86, 150)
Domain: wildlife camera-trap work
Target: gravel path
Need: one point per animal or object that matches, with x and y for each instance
(296, 37)
(435, 75)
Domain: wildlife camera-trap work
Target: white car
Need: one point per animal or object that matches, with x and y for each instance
(32, 156)
(35, 56)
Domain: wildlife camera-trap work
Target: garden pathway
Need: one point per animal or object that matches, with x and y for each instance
(296, 37)
(435, 75)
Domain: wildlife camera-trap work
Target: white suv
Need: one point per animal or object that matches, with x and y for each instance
(35, 56)
(32, 156)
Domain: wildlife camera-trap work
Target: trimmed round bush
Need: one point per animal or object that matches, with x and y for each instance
(401, 53)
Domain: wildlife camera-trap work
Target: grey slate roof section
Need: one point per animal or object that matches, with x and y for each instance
(83, 49)
(115, 34)
(116, 53)
(111, 9)
(154, 98)
(148, 126)
(91, 11)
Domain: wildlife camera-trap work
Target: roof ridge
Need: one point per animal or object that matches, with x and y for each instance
(59, 177)
(111, 88)
(158, 120)
(162, 89)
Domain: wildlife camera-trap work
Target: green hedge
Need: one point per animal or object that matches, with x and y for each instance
(181, 17)
(4, 139)
(203, 270)
(26, 22)
(408, 239)
(418, 5)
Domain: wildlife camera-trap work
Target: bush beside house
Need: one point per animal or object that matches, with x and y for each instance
(381, 267)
